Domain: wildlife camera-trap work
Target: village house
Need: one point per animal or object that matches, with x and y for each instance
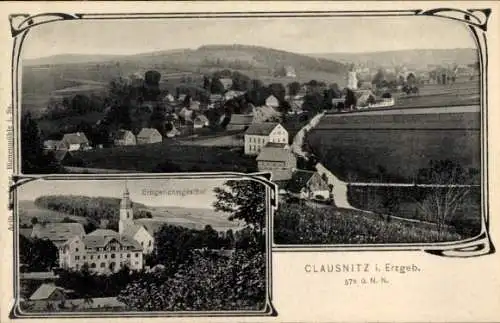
(57, 233)
(47, 293)
(278, 159)
(231, 94)
(272, 102)
(148, 136)
(173, 132)
(239, 122)
(186, 114)
(308, 185)
(74, 141)
(290, 71)
(259, 134)
(200, 121)
(51, 144)
(227, 83)
(124, 138)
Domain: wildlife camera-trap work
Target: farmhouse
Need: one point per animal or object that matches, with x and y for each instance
(290, 71)
(277, 158)
(57, 233)
(239, 122)
(74, 141)
(200, 121)
(227, 83)
(148, 136)
(51, 144)
(48, 292)
(124, 138)
(259, 134)
(308, 184)
(272, 101)
(232, 94)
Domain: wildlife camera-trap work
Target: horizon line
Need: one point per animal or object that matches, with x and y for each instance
(228, 45)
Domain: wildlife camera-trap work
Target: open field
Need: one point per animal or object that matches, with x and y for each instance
(28, 210)
(185, 158)
(358, 145)
(192, 217)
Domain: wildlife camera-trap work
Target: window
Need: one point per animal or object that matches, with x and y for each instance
(93, 265)
(105, 256)
(136, 254)
(76, 249)
(98, 256)
(77, 257)
(84, 257)
(121, 256)
(142, 244)
(112, 256)
(103, 264)
(128, 255)
(149, 244)
(136, 262)
(113, 248)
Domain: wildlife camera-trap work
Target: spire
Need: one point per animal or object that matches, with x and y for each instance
(126, 203)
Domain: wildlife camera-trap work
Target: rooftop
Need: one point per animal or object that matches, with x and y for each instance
(261, 129)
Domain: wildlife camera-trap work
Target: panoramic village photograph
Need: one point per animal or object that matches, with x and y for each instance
(370, 127)
(141, 245)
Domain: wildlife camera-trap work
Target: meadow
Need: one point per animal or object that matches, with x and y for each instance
(356, 147)
(175, 157)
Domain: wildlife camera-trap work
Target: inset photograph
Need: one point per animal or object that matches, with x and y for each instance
(142, 245)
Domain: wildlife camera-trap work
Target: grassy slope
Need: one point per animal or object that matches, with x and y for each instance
(301, 224)
(28, 210)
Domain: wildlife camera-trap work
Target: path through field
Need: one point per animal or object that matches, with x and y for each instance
(339, 187)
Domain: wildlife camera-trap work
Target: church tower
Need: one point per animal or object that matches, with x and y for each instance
(126, 212)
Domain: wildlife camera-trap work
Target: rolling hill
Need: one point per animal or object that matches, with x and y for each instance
(414, 58)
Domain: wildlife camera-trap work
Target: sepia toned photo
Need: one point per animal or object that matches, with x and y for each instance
(286, 161)
(389, 139)
(142, 245)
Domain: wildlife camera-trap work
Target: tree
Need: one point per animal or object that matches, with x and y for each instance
(350, 99)
(37, 254)
(378, 78)
(243, 200)
(411, 79)
(313, 102)
(278, 90)
(293, 88)
(34, 220)
(33, 158)
(441, 203)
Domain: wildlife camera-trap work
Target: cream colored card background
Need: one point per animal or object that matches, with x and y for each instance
(445, 290)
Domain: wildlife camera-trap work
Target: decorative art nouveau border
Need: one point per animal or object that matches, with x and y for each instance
(270, 203)
(475, 19)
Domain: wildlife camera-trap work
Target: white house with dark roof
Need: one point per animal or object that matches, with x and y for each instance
(272, 101)
(201, 121)
(278, 159)
(124, 138)
(308, 184)
(259, 134)
(148, 136)
(226, 82)
(74, 141)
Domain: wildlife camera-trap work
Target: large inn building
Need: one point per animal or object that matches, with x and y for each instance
(103, 250)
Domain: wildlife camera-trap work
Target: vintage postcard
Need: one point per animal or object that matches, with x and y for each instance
(279, 161)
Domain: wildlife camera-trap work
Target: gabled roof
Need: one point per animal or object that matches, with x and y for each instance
(151, 225)
(120, 134)
(44, 292)
(299, 180)
(274, 153)
(131, 229)
(103, 233)
(75, 138)
(276, 145)
(261, 129)
(226, 82)
(241, 119)
(201, 118)
(148, 132)
(57, 231)
(101, 241)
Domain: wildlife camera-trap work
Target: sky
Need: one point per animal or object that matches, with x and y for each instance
(192, 193)
(299, 35)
